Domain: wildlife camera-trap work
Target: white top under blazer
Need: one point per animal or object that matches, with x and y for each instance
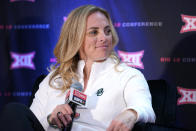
(121, 89)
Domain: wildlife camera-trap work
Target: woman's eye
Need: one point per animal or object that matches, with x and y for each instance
(108, 32)
(93, 33)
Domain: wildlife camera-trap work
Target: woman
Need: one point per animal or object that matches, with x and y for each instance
(85, 52)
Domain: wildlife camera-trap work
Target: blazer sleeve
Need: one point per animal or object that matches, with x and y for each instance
(137, 96)
(39, 102)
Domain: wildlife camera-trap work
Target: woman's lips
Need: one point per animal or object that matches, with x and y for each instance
(102, 46)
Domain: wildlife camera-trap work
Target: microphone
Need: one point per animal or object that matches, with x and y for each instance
(75, 97)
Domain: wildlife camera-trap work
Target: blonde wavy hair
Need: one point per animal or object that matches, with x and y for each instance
(71, 39)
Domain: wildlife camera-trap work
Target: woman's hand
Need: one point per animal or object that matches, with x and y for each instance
(61, 115)
(124, 121)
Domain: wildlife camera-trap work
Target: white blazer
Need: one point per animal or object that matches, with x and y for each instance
(110, 91)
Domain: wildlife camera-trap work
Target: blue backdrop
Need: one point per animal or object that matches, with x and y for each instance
(156, 37)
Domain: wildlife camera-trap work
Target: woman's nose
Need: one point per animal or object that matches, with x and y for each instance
(102, 37)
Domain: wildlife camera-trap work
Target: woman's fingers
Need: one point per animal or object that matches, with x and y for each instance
(62, 118)
(68, 118)
(67, 113)
(57, 122)
(61, 115)
(111, 127)
(124, 121)
(117, 126)
(68, 109)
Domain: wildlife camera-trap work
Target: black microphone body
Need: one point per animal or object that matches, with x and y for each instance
(77, 86)
(73, 107)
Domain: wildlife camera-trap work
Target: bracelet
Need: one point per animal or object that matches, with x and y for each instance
(49, 122)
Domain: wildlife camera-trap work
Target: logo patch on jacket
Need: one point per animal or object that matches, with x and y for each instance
(100, 92)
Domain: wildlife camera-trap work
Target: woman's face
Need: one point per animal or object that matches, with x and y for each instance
(97, 44)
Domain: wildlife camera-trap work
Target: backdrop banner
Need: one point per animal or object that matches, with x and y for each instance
(156, 37)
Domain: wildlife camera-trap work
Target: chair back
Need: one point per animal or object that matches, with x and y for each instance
(163, 101)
